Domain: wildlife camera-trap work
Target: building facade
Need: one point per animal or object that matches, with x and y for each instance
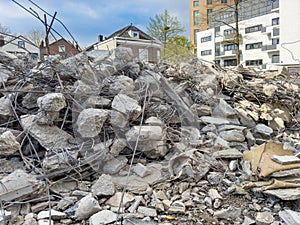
(266, 38)
(60, 47)
(20, 45)
(199, 11)
(143, 47)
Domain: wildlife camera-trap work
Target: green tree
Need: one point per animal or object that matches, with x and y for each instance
(164, 26)
(178, 49)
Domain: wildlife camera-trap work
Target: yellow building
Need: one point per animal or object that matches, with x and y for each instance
(199, 9)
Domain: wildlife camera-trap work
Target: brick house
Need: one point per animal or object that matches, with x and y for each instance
(59, 47)
(143, 46)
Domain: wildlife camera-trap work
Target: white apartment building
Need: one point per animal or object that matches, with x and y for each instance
(269, 35)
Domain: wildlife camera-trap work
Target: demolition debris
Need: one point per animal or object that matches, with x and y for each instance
(102, 138)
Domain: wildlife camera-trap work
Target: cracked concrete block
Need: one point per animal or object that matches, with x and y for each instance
(8, 144)
(90, 122)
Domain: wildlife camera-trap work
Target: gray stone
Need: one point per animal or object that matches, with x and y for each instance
(20, 185)
(51, 102)
(230, 212)
(154, 121)
(285, 159)
(50, 137)
(87, 206)
(103, 217)
(209, 128)
(65, 202)
(126, 105)
(29, 219)
(98, 102)
(263, 129)
(8, 144)
(224, 110)
(147, 211)
(233, 165)
(115, 200)
(264, 218)
(202, 110)
(220, 142)
(133, 183)
(248, 221)
(141, 170)
(213, 120)
(145, 133)
(214, 194)
(56, 215)
(122, 85)
(5, 108)
(114, 165)
(232, 135)
(103, 186)
(45, 222)
(230, 153)
(90, 122)
(124, 54)
(285, 194)
(154, 149)
(290, 217)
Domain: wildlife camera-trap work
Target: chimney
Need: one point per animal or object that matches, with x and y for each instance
(100, 38)
(1, 40)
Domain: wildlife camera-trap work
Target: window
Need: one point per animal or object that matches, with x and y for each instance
(229, 32)
(195, 3)
(275, 41)
(223, 1)
(217, 31)
(275, 31)
(21, 44)
(205, 39)
(208, 2)
(33, 56)
(275, 21)
(135, 34)
(61, 48)
(256, 62)
(253, 29)
(208, 11)
(253, 45)
(195, 36)
(229, 47)
(143, 53)
(275, 58)
(206, 52)
(230, 62)
(196, 16)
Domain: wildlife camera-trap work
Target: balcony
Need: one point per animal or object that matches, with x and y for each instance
(269, 47)
(219, 53)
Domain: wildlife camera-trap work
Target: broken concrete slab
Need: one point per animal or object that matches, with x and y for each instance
(90, 122)
(103, 186)
(230, 153)
(103, 217)
(20, 184)
(86, 207)
(287, 194)
(8, 144)
(126, 105)
(50, 137)
(116, 199)
(290, 217)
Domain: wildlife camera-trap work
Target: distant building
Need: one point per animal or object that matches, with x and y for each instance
(20, 45)
(199, 11)
(60, 47)
(143, 46)
(269, 34)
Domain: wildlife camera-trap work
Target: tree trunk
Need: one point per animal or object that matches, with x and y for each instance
(237, 39)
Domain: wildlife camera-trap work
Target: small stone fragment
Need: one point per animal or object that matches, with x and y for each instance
(264, 218)
(103, 217)
(103, 186)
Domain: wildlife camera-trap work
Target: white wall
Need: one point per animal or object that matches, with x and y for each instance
(289, 31)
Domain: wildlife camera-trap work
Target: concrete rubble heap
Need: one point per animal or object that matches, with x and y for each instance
(101, 138)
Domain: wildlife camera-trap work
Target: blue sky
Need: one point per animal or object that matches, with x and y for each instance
(86, 19)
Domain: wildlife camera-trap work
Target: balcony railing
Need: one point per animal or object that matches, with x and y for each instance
(268, 47)
(219, 53)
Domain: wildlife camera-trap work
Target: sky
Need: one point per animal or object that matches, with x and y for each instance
(86, 19)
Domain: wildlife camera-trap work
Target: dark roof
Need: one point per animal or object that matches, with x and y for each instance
(124, 33)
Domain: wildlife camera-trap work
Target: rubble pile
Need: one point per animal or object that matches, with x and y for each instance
(101, 138)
